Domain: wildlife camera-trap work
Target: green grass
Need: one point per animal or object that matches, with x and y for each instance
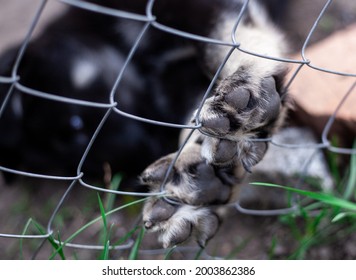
(106, 238)
(316, 224)
(321, 218)
(326, 217)
(42, 231)
(86, 226)
(135, 249)
(326, 198)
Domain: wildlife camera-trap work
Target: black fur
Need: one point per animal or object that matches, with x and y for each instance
(50, 137)
(80, 55)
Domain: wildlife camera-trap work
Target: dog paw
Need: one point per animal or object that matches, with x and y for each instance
(244, 152)
(191, 180)
(240, 112)
(179, 223)
(196, 188)
(239, 107)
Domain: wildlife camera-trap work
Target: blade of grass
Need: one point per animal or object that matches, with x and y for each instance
(23, 233)
(42, 231)
(317, 221)
(291, 222)
(342, 215)
(323, 197)
(75, 234)
(57, 247)
(351, 182)
(103, 237)
(169, 253)
(136, 246)
(102, 212)
(61, 253)
(301, 250)
(272, 248)
(105, 254)
(110, 197)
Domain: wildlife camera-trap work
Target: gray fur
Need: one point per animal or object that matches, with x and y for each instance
(245, 105)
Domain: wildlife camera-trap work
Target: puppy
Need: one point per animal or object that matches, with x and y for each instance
(248, 105)
(72, 68)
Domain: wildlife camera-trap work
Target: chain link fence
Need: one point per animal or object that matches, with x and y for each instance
(150, 21)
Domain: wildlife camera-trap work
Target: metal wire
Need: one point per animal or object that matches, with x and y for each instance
(113, 107)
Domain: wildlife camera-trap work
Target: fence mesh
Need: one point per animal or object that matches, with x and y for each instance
(111, 107)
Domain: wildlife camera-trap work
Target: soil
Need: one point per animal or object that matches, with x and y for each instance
(240, 237)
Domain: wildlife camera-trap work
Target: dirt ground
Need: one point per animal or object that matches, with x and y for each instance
(242, 237)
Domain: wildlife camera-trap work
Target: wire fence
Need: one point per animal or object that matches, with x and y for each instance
(150, 21)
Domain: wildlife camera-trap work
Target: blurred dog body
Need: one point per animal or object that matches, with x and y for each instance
(79, 56)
